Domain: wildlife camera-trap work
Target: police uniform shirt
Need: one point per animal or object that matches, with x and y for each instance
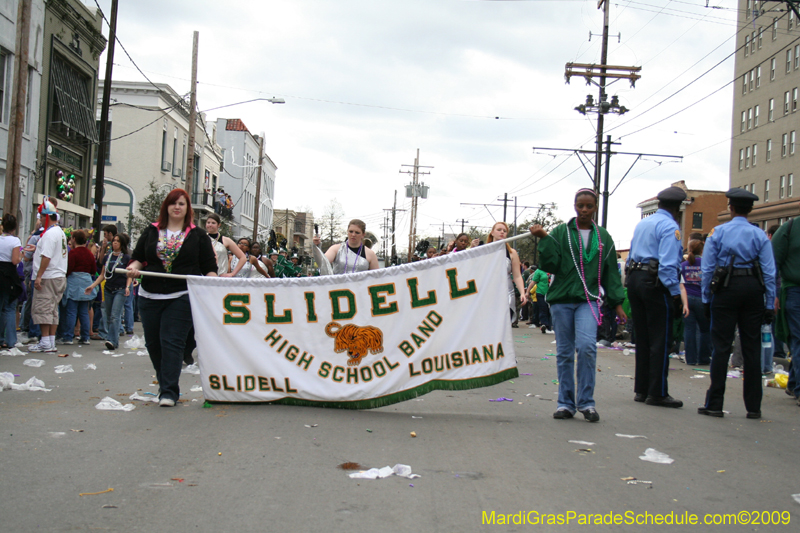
(658, 237)
(745, 243)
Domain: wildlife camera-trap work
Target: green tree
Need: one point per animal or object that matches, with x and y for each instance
(528, 249)
(147, 209)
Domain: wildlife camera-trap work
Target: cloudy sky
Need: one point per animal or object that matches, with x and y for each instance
(368, 82)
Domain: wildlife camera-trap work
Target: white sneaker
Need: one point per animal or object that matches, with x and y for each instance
(166, 402)
(51, 348)
(64, 341)
(38, 347)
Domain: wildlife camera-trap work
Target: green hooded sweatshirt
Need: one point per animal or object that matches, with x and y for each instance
(566, 287)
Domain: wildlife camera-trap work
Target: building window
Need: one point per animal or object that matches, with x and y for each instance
(175, 153)
(758, 77)
(784, 143)
(744, 120)
(769, 150)
(774, 28)
(752, 79)
(750, 118)
(164, 161)
(753, 188)
(788, 61)
(786, 97)
(744, 82)
(782, 191)
(747, 157)
(766, 190)
(697, 220)
(789, 185)
(791, 142)
(772, 70)
(791, 18)
(181, 173)
(796, 56)
(771, 115)
(746, 45)
(27, 126)
(3, 79)
(760, 36)
(755, 153)
(753, 42)
(794, 99)
(741, 159)
(755, 116)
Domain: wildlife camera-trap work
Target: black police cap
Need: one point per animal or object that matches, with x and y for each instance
(739, 196)
(672, 195)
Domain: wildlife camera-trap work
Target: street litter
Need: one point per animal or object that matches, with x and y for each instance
(581, 442)
(196, 388)
(77, 430)
(141, 353)
(413, 434)
(796, 497)
(33, 384)
(63, 369)
(630, 478)
(386, 471)
(117, 354)
(134, 343)
(108, 506)
(524, 374)
(311, 425)
(137, 396)
(639, 482)
(95, 493)
(655, 456)
(63, 355)
(502, 399)
(192, 369)
(13, 351)
(77, 355)
(90, 366)
(108, 352)
(110, 404)
(33, 362)
(56, 434)
(412, 416)
(697, 376)
(544, 358)
(350, 466)
(624, 376)
(584, 451)
(630, 436)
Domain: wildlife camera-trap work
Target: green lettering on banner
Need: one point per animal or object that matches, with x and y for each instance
(335, 297)
(488, 353)
(263, 383)
(406, 348)
(352, 375)
(419, 341)
(236, 311)
(500, 350)
(291, 353)
(311, 311)
(416, 301)
(455, 292)
(249, 383)
(324, 369)
(378, 301)
(305, 360)
(272, 318)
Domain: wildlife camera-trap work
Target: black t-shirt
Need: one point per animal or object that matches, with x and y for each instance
(111, 262)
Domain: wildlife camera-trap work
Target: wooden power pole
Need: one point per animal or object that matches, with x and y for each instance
(416, 192)
(17, 121)
(192, 118)
(258, 188)
(102, 147)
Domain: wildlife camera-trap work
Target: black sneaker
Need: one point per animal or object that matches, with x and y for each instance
(639, 397)
(110, 346)
(709, 412)
(754, 414)
(666, 401)
(590, 415)
(562, 414)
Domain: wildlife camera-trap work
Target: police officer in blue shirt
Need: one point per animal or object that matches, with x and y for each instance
(738, 273)
(654, 292)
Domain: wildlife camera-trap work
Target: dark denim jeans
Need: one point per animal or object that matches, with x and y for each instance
(543, 311)
(8, 318)
(128, 317)
(792, 310)
(697, 333)
(166, 325)
(77, 310)
(113, 307)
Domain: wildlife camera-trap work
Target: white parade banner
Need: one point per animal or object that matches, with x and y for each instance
(356, 341)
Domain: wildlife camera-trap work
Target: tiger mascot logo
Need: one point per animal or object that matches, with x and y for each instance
(355, 340)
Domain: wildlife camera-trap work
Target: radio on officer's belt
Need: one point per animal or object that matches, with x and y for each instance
(722, 275)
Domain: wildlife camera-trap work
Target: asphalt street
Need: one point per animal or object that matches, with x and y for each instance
(237, 467)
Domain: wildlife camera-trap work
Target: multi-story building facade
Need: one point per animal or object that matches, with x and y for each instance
(297, 227)
(242, 152)
(67, 136)
(766, 121)
(699, 212)
(30, 133)
(149, 128)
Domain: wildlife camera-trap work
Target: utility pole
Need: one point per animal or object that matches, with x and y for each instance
(462, 224)
(258, 188)
(102, 147)
(414, 191)
(16, 124)
(505, 204)
(193, 119)
(605, 185)
(394, 217)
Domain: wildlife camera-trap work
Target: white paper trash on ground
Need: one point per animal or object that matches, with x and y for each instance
(137, 396)
(63, 369)
(33, 362)
(33, 384)
(13, 351)
(134, 343)
(192, 369)
(386, 471)
(90, 366)
(110, 404)
(655, 456)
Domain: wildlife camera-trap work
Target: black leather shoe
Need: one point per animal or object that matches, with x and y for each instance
(756, 414)
(666, 401)
(562, 414)
(708, 412)
(638, 397)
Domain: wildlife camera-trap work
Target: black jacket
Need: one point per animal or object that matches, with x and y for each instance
(195, 258)
(9, 280)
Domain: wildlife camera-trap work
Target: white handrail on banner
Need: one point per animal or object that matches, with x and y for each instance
(183, 276)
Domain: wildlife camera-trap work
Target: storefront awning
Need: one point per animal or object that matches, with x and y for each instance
(72, 97)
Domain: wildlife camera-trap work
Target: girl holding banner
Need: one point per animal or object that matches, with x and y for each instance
(583, 259)
(173, 244)
(498, 233)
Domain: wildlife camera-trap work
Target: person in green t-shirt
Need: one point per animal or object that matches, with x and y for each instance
(542, 281)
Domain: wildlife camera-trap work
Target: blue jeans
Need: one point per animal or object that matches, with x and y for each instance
(129, 312)
(113, 307)
(34, 330)
(576, 330)
(8, 319)
(166, 325)
(543, 310)
(61, 329)
(697, 327)
(792, 310)
(77, 310)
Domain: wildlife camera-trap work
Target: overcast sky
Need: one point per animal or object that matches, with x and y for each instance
(368, 82)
